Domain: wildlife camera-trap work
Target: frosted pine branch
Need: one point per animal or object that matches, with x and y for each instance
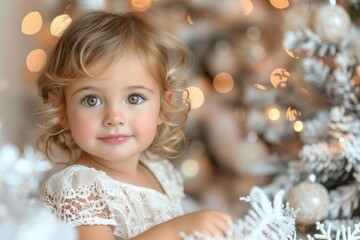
(344, 200)
(351, 146)
(308, 42)
(351, 102)
(266, 220)
(337, 223)
(346, 59)
(343, 124)
(315, 72)
(326, 160)
(338, 85)
(286, 181)
(344, 233)
(316, 129)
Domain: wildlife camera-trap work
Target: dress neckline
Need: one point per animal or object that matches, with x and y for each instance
(146, 164)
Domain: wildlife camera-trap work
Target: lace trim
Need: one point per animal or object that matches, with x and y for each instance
(85, 196)
(81, 205)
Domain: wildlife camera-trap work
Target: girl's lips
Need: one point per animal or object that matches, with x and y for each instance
(115, 138)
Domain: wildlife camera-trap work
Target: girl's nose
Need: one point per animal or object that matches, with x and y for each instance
(114, 117)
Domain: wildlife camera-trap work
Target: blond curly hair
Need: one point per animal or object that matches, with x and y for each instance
(107, 36)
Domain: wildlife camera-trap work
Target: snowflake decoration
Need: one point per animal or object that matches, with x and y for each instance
(344, 233)
(265, 221)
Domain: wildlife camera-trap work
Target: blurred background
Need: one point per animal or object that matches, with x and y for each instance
(240, 115)
(249, 97)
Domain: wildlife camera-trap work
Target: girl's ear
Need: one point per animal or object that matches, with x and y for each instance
(59, 105)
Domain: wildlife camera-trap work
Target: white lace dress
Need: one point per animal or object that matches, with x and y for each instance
(85, 196)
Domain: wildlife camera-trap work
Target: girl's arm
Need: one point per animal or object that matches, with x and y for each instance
(210, 222)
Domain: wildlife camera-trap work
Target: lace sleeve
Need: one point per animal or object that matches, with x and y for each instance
(79, 205)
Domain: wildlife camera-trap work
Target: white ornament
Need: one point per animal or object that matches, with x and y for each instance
(332, 23)
(312, 200)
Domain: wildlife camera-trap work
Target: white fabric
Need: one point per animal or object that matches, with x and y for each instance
(85, 196)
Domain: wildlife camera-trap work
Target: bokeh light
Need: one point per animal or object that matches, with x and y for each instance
(292, 114)
(273, 113)
(279, 77)
(59, 24)
(32, 23)
(280, 4)
(189, 19)
(291, 54)
(190, 168)
(298, 126)
(140, 5)
(196, 96)
(260, 86)
(247, 6)
(223, 82)
(36, 60)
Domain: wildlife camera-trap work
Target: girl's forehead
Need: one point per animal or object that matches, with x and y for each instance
(126, 71)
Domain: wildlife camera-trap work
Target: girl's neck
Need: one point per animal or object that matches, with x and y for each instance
(129, 171)
(116, 169)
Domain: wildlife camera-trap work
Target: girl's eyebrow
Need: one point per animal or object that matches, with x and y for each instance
(141, 87)
(131, 88)
(83, 89)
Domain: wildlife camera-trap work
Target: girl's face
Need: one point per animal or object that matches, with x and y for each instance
(114, 117)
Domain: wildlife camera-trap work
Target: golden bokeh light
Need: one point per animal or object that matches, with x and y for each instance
(298, 126)
(32, 23)
(280, 4)
(223, 82)
(248, 6)
(279, 77)
(292, 114)
(196, 97)
(291, 54)
(273, 113)
(261, 87)
(36, 60)
(190, 168)
(59, 24)
(140, 5)
(189, 19)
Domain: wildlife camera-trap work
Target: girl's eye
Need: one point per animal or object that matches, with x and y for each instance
(135, 99)
(91, 101)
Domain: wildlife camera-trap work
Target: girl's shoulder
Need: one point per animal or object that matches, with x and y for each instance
(78, 194)
(73, 176)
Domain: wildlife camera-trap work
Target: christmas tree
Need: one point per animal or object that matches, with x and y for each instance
(323, 181)
(247, 125)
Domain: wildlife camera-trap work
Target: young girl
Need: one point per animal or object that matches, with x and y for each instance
(117, 104)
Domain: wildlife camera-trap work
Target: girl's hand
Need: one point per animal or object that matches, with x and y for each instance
(209, 222)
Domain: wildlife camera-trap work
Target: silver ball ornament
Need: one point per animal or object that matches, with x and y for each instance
(332, 23)
(312, 201)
